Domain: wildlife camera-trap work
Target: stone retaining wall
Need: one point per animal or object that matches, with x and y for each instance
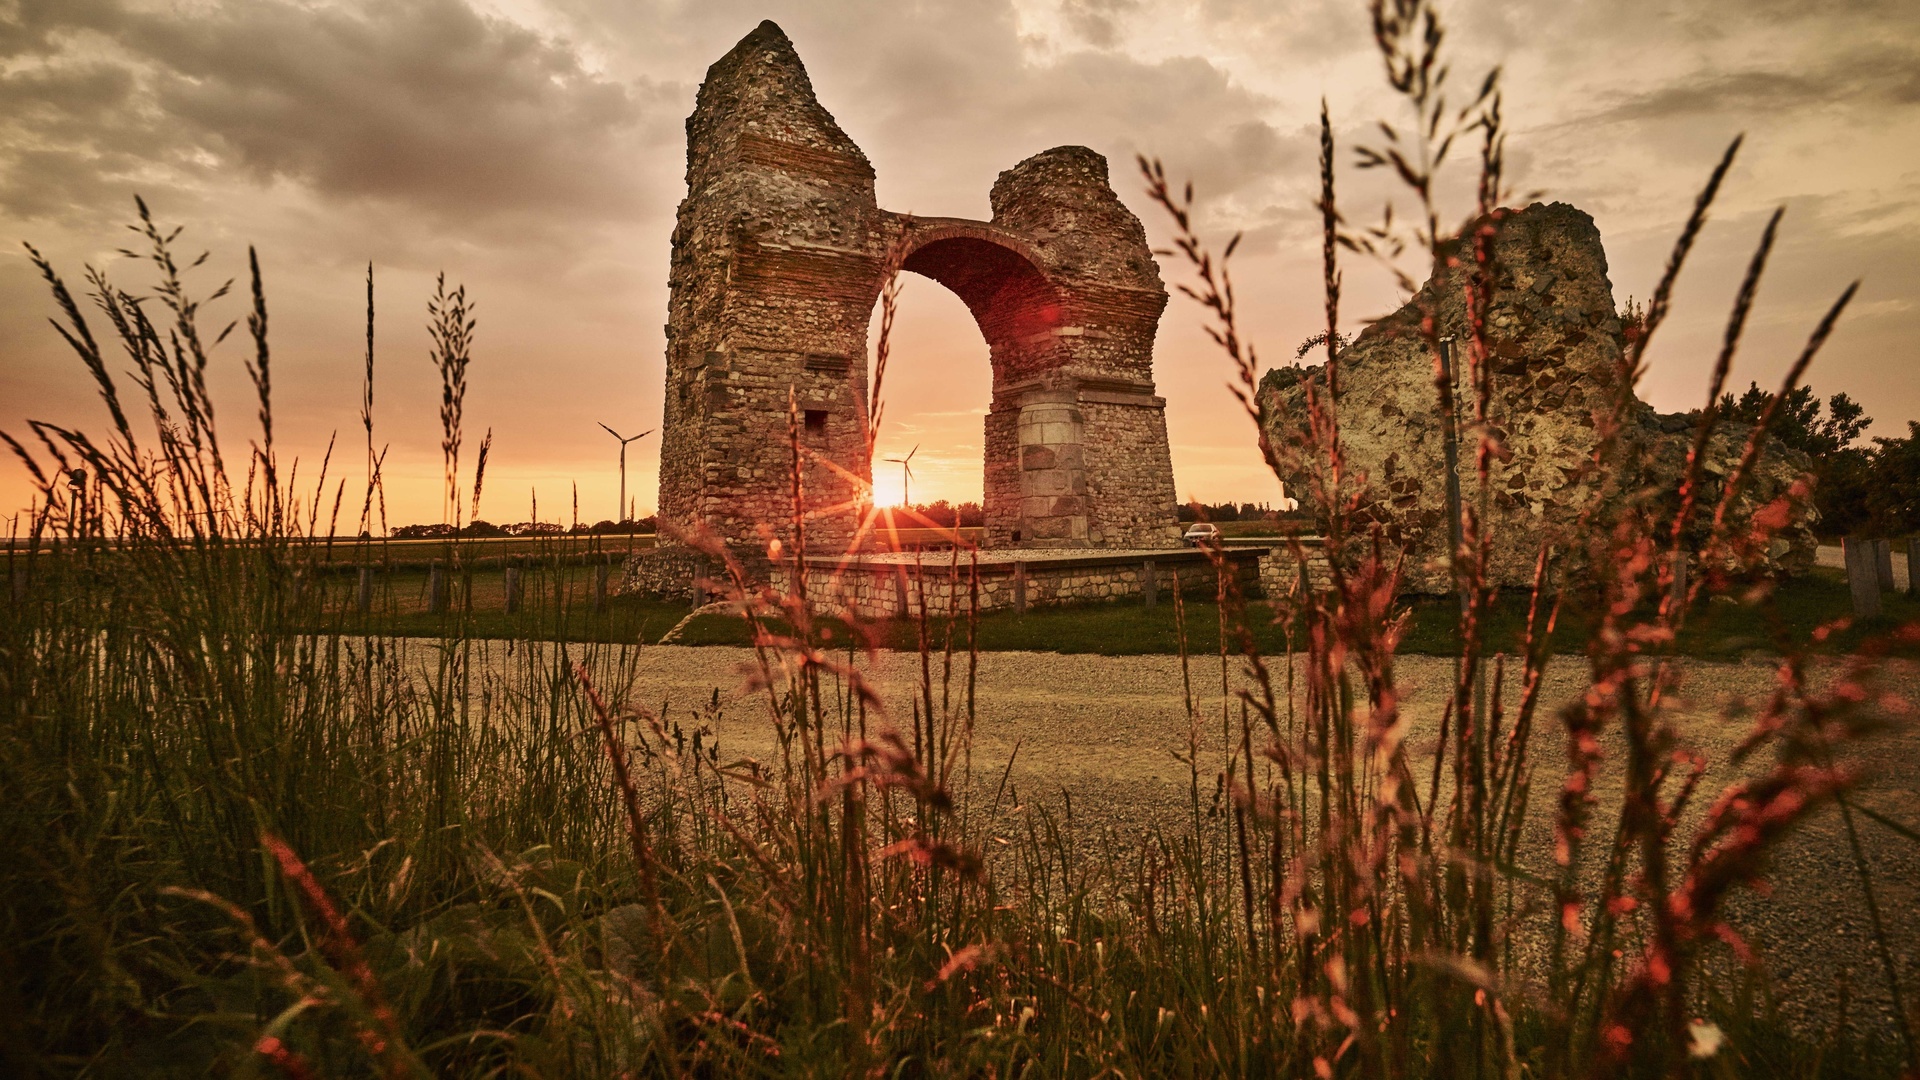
(885, 587)
(882, 590)
(677, 572)
(1280, 569)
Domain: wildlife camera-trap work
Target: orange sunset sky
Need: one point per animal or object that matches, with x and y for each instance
(534, 150)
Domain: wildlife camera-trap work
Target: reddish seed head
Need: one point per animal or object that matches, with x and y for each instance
(1570, 916)
(1659, 972)
(283, 1058)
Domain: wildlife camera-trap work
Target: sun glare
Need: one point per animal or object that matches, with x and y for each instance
(887, 490)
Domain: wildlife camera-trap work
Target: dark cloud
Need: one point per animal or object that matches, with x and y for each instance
(426, 103)
(1097, 21)
(1184, 110)
(31, 27)
(1724, 17)
(51, 96)
(1880, 75)
(944, 95)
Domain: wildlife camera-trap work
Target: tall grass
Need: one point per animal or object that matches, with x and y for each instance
(249, 837)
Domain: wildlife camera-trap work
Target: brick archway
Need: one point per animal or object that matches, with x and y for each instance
(1002, 280)
(778, 260)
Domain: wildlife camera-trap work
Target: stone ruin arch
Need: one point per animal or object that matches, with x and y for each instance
(779, 255)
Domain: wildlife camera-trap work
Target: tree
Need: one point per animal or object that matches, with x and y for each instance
(1893, 500)
(966, 515)
(1800, 424)
(1843, 470)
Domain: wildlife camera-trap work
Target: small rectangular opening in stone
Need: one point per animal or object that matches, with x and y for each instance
(816, 421)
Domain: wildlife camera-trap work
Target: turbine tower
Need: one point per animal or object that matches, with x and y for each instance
(906, 478)
(625, 514)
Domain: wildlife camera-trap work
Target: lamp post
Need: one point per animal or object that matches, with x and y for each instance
(1450, 447)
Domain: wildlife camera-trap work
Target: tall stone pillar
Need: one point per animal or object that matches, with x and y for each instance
(776, 265)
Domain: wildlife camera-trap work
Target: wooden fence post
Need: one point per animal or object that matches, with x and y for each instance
(1020, 588)
(900, 591)
(437, 589)
(600, 573)
(1913, 566)
(1863, 577)
(513, 589)
(363, 593)
(1883, 563)
(1680, 563)
(1149, 586)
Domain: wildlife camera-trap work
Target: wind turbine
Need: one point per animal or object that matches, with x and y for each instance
(906, 479)
(624, 440)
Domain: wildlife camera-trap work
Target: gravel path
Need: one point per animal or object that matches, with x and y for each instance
(1104, 731)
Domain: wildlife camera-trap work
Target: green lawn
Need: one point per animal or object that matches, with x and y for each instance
(1718, 629)
(556, 604)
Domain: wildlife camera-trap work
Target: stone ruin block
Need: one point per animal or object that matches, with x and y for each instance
(1557, 342)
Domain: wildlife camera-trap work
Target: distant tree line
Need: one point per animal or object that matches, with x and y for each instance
(486, 530)
(966, 515)
(1228, 511)
(1861, 487)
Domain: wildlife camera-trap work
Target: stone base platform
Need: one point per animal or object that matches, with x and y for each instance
(888, 585)
(896, 585)
(679, 572)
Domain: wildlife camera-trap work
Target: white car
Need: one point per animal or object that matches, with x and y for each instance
(1201, 532)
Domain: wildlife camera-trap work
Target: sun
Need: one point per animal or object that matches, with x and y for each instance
(888, 491)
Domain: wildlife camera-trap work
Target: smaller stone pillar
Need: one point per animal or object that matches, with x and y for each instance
(1053, 475)
(437, 589)
(1863, 579)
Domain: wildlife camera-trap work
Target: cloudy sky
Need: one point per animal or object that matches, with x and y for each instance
(534, 150)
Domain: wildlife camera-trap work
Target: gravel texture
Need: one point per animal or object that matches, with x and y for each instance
(1104, 731)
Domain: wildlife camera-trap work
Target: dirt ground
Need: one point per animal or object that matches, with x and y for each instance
(1103, 731)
